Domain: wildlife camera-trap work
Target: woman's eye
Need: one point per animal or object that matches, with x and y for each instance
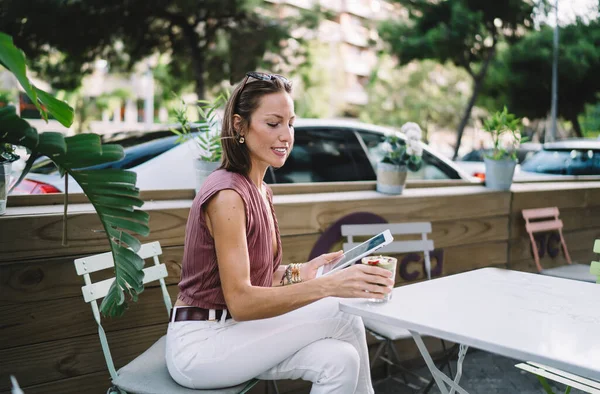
(273, 124)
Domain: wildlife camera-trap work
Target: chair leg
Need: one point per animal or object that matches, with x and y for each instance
(447, 359)
(275, 388)
(377, 353)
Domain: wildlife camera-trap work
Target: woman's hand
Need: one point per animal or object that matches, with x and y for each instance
(308, 270)
(361, 281)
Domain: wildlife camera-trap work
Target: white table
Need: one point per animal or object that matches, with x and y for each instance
(529, 317)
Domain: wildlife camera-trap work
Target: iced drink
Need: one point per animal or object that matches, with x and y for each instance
(385, 262)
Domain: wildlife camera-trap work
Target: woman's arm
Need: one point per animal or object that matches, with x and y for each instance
(227, 222)
(308, 270)
(278, 274)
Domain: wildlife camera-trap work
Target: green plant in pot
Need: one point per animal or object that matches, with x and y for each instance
(500, 165)
(400, 156)
(203, 138)
(7, 157)
(112, 193)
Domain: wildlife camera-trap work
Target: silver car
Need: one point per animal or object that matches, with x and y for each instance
(324, 151)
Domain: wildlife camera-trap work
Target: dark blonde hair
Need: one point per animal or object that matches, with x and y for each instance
(244, 101)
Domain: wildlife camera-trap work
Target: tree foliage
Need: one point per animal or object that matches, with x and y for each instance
(206, 41)
(522, 76)
(422, 91)
(464, 32)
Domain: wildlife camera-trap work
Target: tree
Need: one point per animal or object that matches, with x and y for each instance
(524, 73)
(207, 41)
(423, 91)
(464, 32)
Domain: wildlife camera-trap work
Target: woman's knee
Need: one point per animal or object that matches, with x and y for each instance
(340, 361)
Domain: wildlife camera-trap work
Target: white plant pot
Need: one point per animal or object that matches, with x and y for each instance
(203, 169)
(391, 178)
(499, 173)
(5, 169)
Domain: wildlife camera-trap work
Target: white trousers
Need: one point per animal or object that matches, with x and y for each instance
(317, 343)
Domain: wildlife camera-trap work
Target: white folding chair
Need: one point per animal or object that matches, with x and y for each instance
(387, 333)
(147, 374)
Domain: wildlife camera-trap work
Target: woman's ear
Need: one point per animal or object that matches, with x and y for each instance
(237, 124)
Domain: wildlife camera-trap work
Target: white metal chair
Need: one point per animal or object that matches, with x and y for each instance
(387, 333)
(147, 374)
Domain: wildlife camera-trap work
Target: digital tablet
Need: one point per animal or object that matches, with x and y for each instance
(356, 253)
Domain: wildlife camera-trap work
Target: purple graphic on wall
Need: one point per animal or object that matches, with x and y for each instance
(547, 242)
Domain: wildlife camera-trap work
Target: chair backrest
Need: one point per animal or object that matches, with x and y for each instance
(595, 266)
(423, 245)
(94, 291)
(543, 219)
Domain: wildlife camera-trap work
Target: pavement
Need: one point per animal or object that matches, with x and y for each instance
(484, 373)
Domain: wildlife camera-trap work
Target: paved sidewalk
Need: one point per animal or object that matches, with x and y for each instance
(485, 373)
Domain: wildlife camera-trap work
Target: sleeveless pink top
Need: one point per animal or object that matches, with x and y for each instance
(200, 284)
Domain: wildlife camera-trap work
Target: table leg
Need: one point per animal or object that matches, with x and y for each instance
(440, 378)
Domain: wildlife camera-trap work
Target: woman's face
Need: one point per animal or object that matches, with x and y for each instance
(270, 136)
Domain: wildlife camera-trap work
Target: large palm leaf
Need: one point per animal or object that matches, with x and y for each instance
(112, 193)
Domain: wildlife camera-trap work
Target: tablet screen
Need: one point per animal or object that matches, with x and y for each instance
(355, 252)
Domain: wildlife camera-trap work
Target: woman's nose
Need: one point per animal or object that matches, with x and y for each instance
(287, 135)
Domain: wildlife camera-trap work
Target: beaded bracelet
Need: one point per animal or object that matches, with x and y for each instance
(291, 274)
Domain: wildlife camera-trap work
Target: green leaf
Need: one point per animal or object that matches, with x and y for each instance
(14, 60)
(137, 215)
(127, 224)
(108, 175)
(60, 110)
(16, 131)
(126, 238)
(51, 144)
(25, 171)
(114, 303)
(117, 200)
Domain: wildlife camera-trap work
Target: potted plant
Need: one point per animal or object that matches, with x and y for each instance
(500, 165)
(7, 157)
(400, 156)
(111, 192)
(205, 136)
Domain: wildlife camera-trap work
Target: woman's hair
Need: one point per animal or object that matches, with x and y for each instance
(244, 101)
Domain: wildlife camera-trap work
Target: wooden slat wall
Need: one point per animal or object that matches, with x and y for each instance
(48, 337)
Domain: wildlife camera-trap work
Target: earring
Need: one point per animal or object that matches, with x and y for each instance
(241, 140)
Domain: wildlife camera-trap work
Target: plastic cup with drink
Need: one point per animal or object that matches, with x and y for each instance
(385, 262)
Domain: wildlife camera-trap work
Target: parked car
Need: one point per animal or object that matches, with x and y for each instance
(324, 151)
(579, 158)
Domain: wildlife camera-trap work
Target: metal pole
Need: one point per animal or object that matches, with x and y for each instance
(554, 77)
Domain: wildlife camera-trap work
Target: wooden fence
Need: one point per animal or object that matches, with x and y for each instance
(48, 338)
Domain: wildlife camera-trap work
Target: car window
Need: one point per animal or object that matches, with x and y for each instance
(563, 162)
(433, 168)
(324, 155)
(134, 156)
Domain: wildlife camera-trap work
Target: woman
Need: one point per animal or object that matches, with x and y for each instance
(239, 313)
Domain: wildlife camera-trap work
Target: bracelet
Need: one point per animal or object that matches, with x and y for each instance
(291, 274)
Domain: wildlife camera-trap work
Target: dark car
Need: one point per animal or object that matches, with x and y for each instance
(568, 157)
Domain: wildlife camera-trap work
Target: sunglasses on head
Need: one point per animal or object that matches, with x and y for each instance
(263, 77)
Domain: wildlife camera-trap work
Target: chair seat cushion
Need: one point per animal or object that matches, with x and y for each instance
(148, 374)
(573, 271)
(386, 330)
